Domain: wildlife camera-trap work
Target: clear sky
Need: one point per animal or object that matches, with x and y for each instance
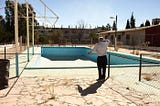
(98, 12)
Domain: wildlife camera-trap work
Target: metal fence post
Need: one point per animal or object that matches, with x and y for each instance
(32, 49)
(109, 65)
(28, 54)
(17, 65)
(5, 52)
(140, 67)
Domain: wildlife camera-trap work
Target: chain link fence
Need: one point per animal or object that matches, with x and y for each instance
(144, 76)
(8, 52)
(150, 73)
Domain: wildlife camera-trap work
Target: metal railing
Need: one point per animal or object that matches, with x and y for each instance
(150, 74)
(16, 65)
(143, 77)
(141, 62)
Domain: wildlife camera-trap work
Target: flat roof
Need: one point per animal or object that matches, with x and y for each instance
(129, 30)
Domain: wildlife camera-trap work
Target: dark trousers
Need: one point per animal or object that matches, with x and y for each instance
(101, 64)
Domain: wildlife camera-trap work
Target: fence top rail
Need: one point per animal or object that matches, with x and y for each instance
(126, 56)
(136, 58)
(12, 53)
(151, 54)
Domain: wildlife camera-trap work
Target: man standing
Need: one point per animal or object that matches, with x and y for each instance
(101, 48)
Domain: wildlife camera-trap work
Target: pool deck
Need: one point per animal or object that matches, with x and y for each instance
(76, 87)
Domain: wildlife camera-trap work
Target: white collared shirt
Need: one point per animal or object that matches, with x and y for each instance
(101, 47)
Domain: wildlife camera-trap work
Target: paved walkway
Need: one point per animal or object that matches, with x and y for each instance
(72, 91)
(76, 87)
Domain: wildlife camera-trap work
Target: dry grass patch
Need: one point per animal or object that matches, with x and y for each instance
(147, 76)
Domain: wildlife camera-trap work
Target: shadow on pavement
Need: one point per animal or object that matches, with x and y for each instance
(91, 89)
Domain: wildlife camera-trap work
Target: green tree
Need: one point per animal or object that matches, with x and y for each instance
(108, 27)
(57, 36)
(142, 25)
(54, 37)
(22, 21)
(93, 36)
(127, 25)
(9, 18)
(43, 40)
(132, 21)
(147, 23)
(80, 35)
(103, 28)
(36, 35)
(2, 29)
(114, 26)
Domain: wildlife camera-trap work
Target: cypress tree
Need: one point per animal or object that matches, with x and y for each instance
(132, 21)
(142, 25)
(127, 25)
(147, 23)
(114, 26)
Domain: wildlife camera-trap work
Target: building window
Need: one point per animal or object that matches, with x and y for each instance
(106, 37)
(127, 37)
(66, 32)
(123, 33)
(119, 37)
(73, 31)
(112, 37)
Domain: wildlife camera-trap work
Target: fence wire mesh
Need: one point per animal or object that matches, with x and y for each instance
(150, 76)
(8, 52)
(129, 76)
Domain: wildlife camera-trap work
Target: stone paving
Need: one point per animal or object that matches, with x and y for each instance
(70, 88)
(72, 91)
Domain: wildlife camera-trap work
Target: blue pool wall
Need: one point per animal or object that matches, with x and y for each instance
(115, 57)
(62, 51)
(124, 58)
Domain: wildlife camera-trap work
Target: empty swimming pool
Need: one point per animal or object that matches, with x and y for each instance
(78, 57)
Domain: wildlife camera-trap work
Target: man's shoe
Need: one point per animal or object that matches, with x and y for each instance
(100, 79)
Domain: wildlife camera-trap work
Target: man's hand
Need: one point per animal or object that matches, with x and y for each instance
(90, 52)
(107, 40)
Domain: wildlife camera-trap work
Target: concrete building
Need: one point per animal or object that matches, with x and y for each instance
(155, 21)
(136, 36)
(152, 35)
(72, 35)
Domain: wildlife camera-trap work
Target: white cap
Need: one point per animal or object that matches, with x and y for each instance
(101, 37)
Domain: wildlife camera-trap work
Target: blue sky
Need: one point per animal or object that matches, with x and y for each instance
(98, 12)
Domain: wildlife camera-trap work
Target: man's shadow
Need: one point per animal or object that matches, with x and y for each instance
(91, 89)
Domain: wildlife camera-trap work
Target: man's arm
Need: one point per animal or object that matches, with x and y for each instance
(91, 51)
(107, 40)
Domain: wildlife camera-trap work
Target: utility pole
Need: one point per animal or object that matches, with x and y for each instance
(115, 36)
